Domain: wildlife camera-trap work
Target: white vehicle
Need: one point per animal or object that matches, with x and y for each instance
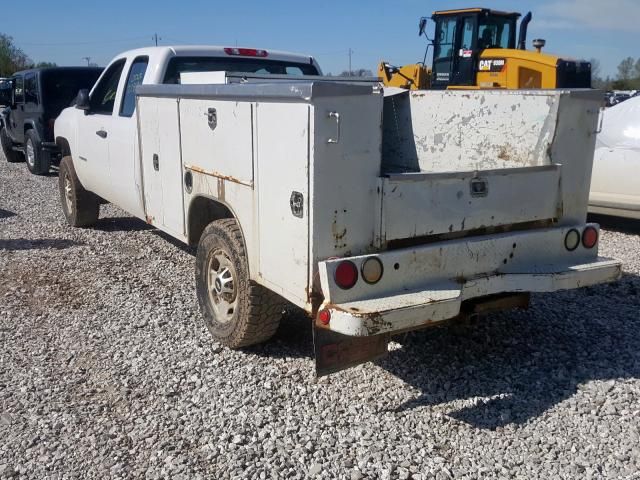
(376, 212)
(615, 186)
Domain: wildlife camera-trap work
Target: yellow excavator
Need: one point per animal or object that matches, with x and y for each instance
(476, 48)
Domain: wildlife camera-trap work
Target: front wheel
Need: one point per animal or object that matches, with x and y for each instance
(237, 311)
(81, 208)
(7, 147)
(38, 161)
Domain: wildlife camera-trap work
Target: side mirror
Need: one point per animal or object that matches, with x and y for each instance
(82, 100)
(422, 26)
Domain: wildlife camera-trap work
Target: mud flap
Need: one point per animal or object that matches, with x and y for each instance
(335, 352)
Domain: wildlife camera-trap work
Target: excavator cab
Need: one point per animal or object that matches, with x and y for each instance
(460, 38)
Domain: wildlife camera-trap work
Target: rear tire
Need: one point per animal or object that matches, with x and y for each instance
(237, 311)
(7, 147)
(81, 208)
(38, 161)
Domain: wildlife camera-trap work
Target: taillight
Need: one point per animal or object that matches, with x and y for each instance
(589, 237)
(245, 52)
(324, 316)
(372, 270)
(572, 240)
(346, 275)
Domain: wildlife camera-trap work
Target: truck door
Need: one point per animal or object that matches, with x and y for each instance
(32, 99)
(123, 143)
(92, 162)
(466, 52)
(16, 113)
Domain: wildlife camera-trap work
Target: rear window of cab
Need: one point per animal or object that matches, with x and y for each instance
(179, 65)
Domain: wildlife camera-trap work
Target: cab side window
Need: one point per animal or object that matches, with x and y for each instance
(31, 88)
(135, 78)
(104, 95)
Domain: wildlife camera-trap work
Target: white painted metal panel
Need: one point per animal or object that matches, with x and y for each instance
(415, 205)
(224, 150)
(161, 163)
(452, 131)
(345, 175)
(283, 168)
(461, 261)
(615, 186)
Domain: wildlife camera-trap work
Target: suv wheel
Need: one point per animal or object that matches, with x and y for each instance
(7, 147)
(38, 161)
(81, 207)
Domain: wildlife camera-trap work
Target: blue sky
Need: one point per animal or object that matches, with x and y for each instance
(66, 31)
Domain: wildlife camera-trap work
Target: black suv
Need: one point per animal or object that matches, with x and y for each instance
(37, 98)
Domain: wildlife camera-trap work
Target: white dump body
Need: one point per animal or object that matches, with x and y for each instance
(460, 194)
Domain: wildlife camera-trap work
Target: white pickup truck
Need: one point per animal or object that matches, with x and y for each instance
(376, 211)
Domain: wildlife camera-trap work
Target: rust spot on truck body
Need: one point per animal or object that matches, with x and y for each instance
(230, 178)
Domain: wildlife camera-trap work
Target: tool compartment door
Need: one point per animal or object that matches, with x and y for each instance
(282, 167)
(418, 205)
(161, 163)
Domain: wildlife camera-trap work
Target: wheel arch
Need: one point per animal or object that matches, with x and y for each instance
(63, 145)
(30, 125)
(202, 211)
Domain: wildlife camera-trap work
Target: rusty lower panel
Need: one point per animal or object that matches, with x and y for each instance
(335, 352)
(219, 175)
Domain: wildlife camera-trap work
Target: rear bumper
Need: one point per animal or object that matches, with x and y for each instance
(436, 279)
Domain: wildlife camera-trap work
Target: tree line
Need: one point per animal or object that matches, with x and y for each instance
(13, 59)
(628, 77)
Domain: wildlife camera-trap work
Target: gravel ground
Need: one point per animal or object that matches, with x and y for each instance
(106, 370)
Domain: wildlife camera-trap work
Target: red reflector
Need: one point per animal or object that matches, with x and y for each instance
(589, 237)
(346, 275)
(324, 316)
(245, 52)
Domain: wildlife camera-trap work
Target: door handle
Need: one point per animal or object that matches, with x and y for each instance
(156, 162)
(101, 134)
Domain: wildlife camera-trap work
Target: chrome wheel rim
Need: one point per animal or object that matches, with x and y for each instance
(221, 286)
(31, 153)
(68, 192)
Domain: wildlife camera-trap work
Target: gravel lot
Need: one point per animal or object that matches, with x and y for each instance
(106, 370)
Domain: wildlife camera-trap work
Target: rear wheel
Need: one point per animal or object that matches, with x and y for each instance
(237, 311)
(81, 207)
(7, 147)
(38, 161)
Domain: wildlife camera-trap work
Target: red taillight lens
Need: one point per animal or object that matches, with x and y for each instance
(590, 237)
(346, 275)
(245, 52)
(324, 316)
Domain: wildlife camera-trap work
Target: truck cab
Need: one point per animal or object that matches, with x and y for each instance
(101, 133)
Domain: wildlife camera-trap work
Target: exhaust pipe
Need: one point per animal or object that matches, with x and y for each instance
(522, 36)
